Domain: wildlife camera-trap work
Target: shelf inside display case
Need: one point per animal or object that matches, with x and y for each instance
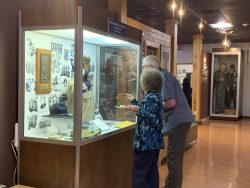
(225, 85)
(110, 69)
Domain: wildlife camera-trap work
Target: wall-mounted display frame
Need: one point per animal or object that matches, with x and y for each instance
(166, 57)
(43, 71)
(182, 70)
(151, 48)
(225, 84)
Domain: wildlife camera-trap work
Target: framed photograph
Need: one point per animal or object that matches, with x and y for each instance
(43, 71)
(165, 57)
(181, 71)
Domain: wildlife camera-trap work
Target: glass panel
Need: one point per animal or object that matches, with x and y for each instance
(49, 57)
(225, 82)
(110, 71)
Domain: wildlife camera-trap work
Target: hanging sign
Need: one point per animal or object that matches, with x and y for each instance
(116, 27)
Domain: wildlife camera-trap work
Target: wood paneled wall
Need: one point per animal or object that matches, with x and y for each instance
(8, 85)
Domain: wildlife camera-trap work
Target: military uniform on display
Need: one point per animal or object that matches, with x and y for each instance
(231, 88)
(220, 88)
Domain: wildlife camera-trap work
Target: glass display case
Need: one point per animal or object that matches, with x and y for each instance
(73, 76)
(109, 70)
(225, 84)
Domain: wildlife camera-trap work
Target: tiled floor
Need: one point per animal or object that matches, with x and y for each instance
(220, 159)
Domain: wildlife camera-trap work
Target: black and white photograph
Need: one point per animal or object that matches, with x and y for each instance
(165, 57)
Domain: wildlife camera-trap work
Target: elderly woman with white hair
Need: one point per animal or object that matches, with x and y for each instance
(177, 119)
(148, 139)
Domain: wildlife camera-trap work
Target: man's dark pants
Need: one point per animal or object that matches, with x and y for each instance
(176, 147)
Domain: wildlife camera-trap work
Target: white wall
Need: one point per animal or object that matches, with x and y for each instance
(185, 55)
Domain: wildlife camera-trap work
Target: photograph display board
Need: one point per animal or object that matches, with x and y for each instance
(165, 57)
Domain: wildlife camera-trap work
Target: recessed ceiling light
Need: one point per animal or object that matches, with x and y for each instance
(226, 31)
(246, 24)
(221, 25)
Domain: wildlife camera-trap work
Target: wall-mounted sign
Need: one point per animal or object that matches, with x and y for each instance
(116, 27)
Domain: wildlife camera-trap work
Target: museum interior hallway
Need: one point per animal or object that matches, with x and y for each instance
(220, 158)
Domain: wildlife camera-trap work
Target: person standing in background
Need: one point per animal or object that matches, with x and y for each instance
(186, 86)
(177, 119)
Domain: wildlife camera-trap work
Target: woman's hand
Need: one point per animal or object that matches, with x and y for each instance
(133, 108)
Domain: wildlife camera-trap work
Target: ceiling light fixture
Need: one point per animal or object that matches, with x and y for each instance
(226, 43)
(246, 24)
(221, 25)
(201, 26)
(181, 12)
(173, 6)
(226, 31)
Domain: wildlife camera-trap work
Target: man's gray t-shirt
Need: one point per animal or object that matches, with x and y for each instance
(181, 113)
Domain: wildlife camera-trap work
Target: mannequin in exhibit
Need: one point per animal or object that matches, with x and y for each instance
(108, 88)
(220, 88)
(88, 105)
(231, 88)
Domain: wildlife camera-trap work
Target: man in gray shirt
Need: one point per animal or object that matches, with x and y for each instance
(177, 119)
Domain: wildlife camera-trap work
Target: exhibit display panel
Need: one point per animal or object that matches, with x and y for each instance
(48, 62)
(225, 84)
(109, 71)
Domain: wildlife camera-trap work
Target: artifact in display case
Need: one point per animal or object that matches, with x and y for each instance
(225, 84)
(109, 70)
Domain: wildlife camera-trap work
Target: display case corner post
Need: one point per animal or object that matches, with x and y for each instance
(77, 92)
(19, 87)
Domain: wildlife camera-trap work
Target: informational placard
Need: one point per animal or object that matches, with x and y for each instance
(101, 124)
(116, 27)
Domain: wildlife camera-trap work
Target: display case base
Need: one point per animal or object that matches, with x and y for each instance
(103, 163)
(225, 118)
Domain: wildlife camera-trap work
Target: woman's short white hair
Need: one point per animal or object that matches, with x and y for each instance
(151, 61)
(151, 80)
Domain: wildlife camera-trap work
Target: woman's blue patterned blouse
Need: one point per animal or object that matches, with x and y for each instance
(149, 124)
